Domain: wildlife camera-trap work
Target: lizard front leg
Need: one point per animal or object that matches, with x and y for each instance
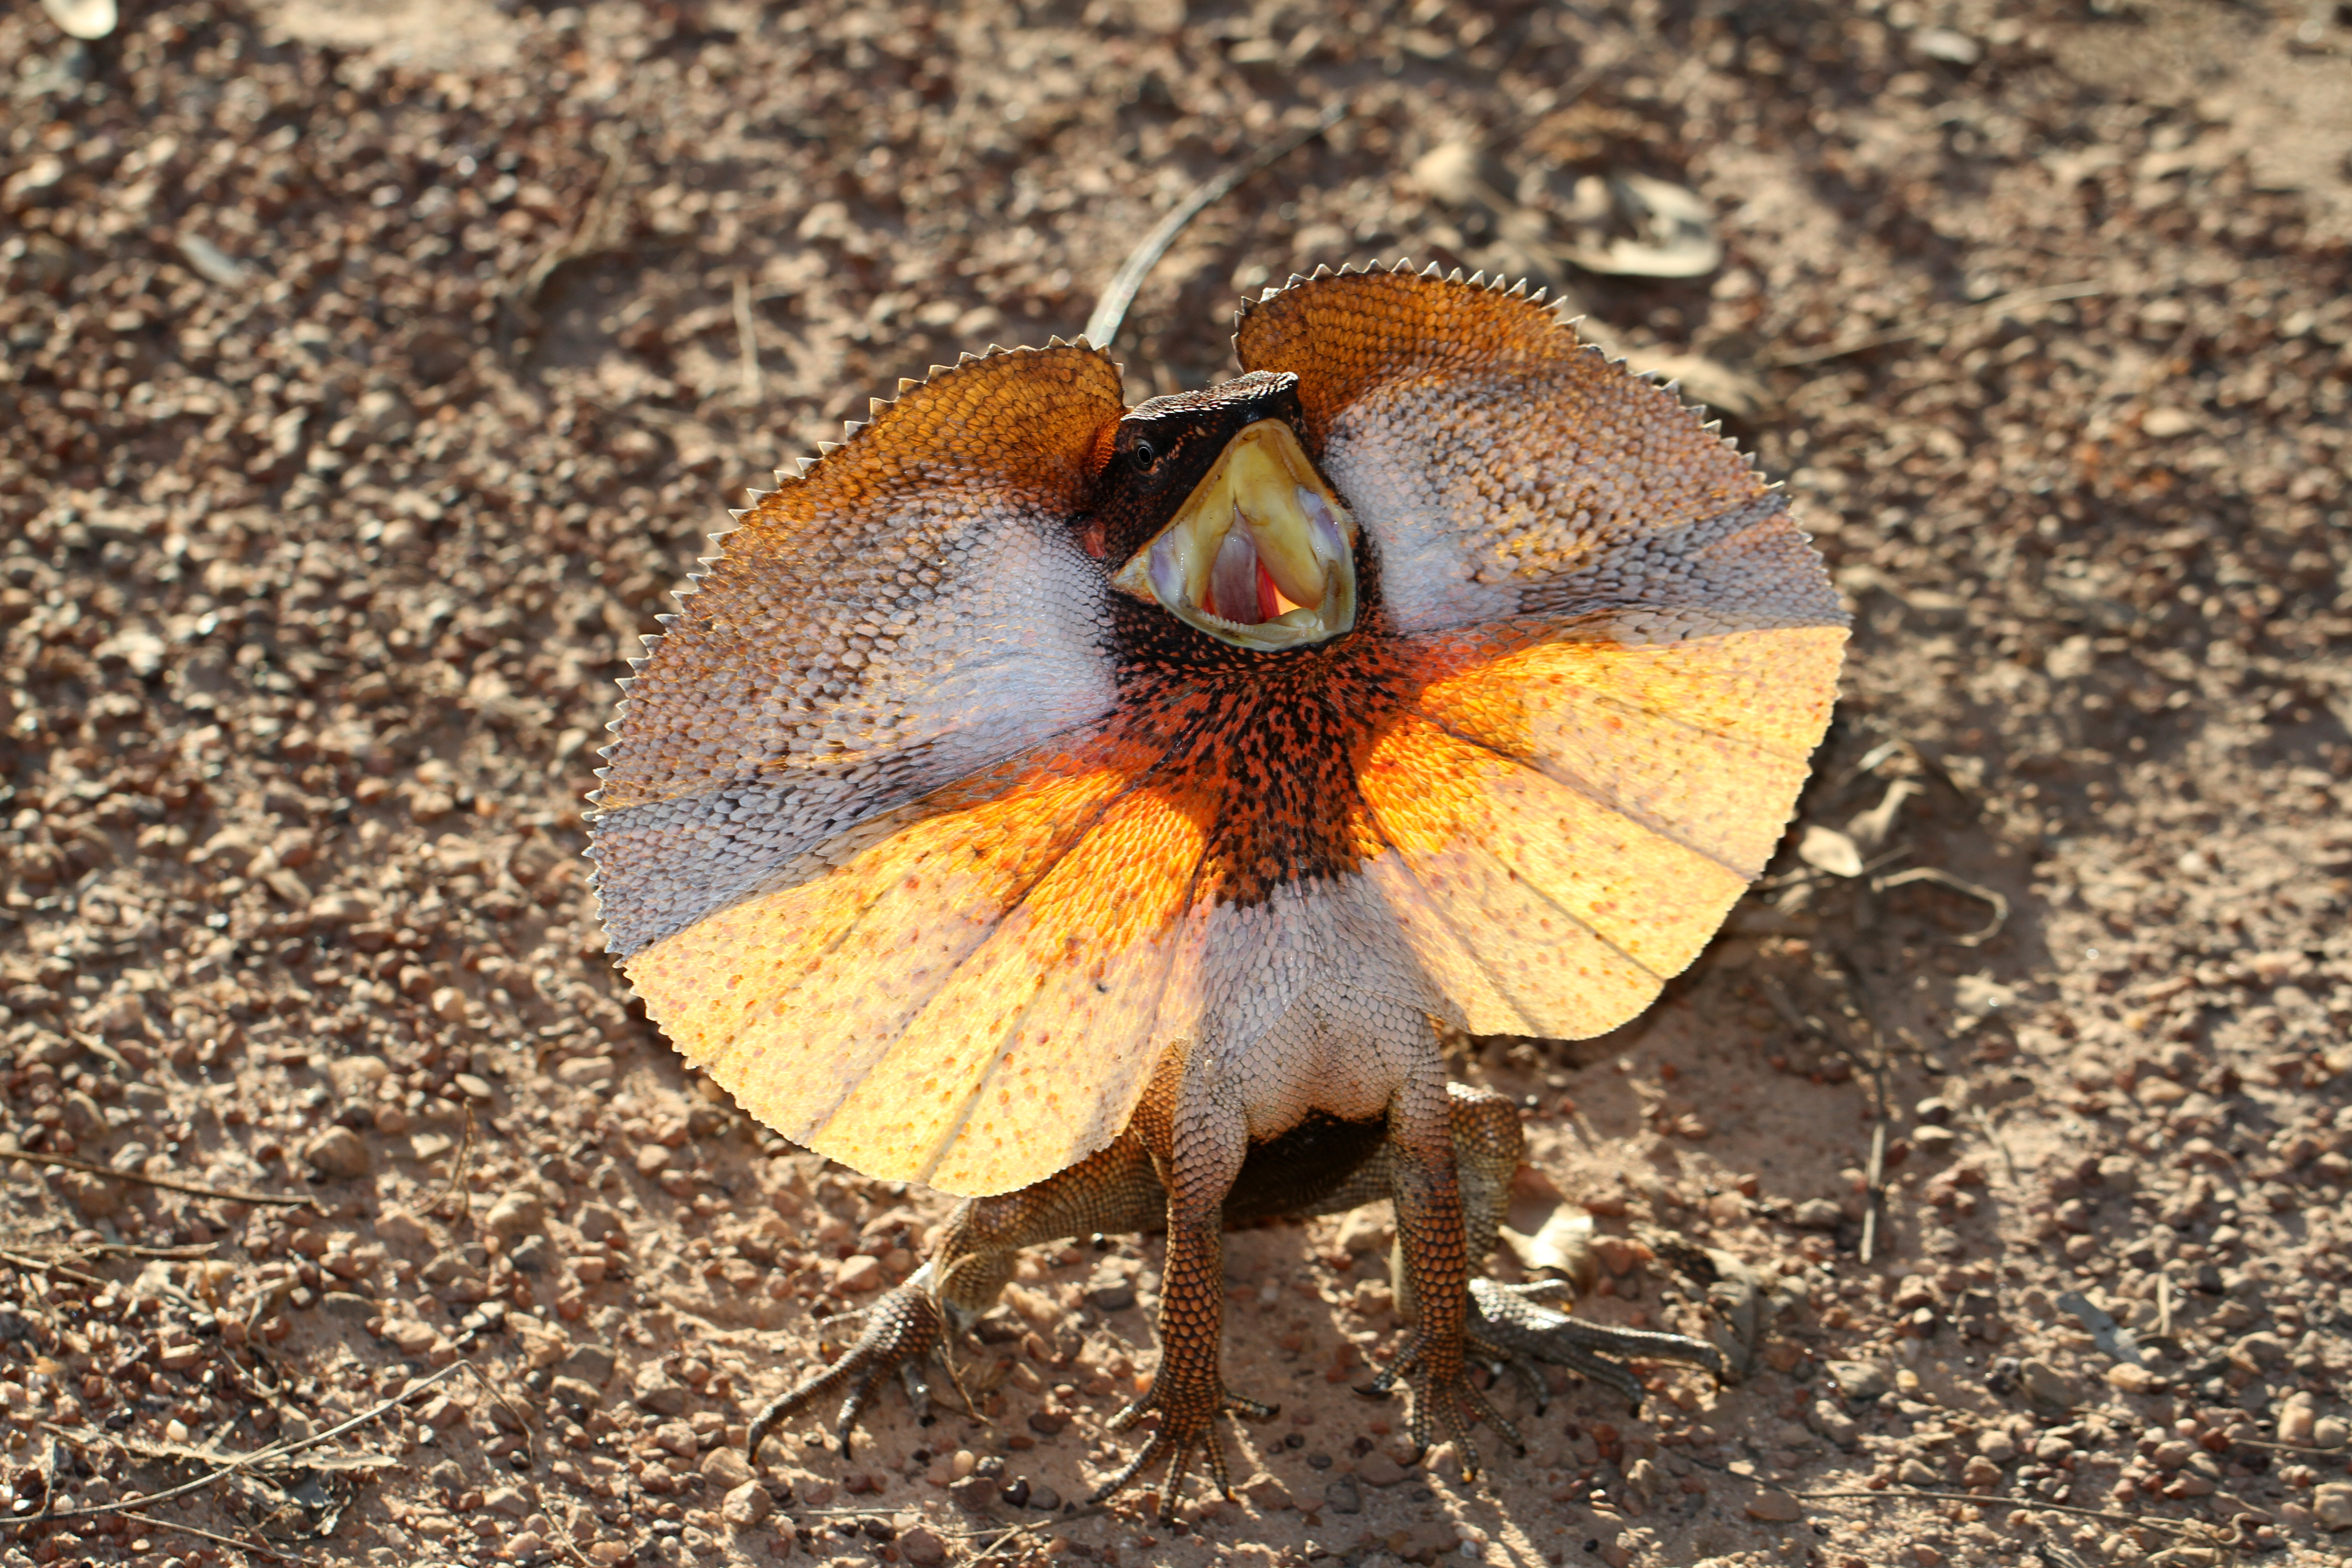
(1433, 1244)
(966, 1265)
(1204, 1141)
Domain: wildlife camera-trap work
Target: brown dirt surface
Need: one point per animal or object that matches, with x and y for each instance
(372, 373)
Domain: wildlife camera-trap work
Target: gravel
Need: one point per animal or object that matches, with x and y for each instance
(364, 390)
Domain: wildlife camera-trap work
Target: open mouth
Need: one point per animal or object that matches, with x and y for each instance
(1261, 554)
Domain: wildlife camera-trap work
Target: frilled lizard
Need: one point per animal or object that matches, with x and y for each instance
(1098, 811)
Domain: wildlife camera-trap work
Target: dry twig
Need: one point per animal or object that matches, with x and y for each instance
(1119, 293)
(246, 1462)
(168, 1184)
(1921, 325)
(1998, 903)
(2185, 1527)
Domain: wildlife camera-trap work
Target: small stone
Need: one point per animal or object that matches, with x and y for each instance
(858, 1275)
(592, 1362)
(975, 1493)
(2331, 1505)
(677, 1437)
(2131, 1378)
(2166, 423)
(507, 1500)
(1113, 1295)
(576, 1395)
(1925, 1555)
(1833, 1425)
(1343, 1495)
(94, 1197)
(1996, 1444)
(725, 1468)
(1266, 1494)
(1934, 1141)
(1043, 1499)
(1979, 1471)
(402, 1228)
(338, 1153)
(746, 1505)
(1377, 1469)
(598, 1222)
(1362, 1230)
(1861, 1380)
(2330, 1432)
(349, 1306)
(355, 1078)
(1818, 1213)
(472, 1088)
(652, 1159)
(533, 1255)
(655, 1390)
(1773, 1506)
(2046, 1384)
(515, 1216)
(922, 1547)
(1046, 1423)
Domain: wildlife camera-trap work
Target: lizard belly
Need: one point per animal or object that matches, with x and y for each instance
(1313, 1007)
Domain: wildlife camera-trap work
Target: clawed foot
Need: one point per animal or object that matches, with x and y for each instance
(1188, 1408)
(1509, 1327)
(1445, 1403)
(902, 1330)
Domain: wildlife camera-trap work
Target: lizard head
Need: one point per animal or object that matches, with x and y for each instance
(1222, 522)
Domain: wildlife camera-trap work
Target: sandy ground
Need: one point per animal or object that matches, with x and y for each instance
(371, 374)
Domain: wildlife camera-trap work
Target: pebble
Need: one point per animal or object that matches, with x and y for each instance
(515, 1216)
(1267, 1493)
(592, 1361)
(1343, 1495)
(1377, 1469)
(2132, 1379)
(725, 1468)
(1818, 1213)
(338, 1153)
(1773, 1506)
(676, 1437)
(922, 1548)
(2331, 1505)
(654, 1389)
(472, 1088)
(858, 1275)
(576, 1395)
(2046, 1384)
(746, 1505)
(1861, 1380)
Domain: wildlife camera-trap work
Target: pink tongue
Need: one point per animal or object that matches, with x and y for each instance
(1233, 580)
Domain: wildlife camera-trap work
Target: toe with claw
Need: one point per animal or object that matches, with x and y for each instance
(1509, 1325)
(1188, 1411)
(902, 1330)
(1446, 1403)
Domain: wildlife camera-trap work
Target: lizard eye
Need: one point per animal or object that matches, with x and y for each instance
(1260, 555)
(1146, 456)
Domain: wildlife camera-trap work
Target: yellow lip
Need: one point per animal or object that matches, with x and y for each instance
(1287, 521)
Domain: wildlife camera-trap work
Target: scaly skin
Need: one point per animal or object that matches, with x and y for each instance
(1118, 1191)
(952, 835)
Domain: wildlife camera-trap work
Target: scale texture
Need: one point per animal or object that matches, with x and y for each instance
(937, 852)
